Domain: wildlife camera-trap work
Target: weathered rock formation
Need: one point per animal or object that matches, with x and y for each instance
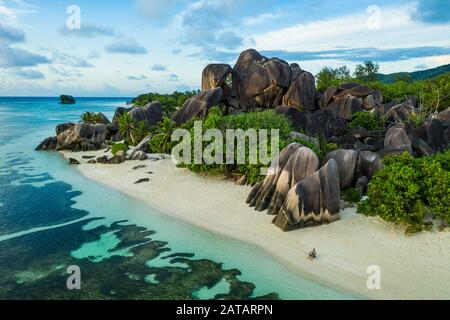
(346, 161)
(63, 127)
(262, 193)
(302, 163)
(151, 114)
(198, 106)
(82, 137)
(368, 164)
(215, 76)
(397, 140)
(320, 123)
(314, 200)
(350, 98)
(301, 92)
(259, 82)
(47, 145)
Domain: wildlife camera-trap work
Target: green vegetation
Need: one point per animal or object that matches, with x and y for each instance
(91, 118)
(414, 76)
(433, 93)
(351, 195)
(162, 139)
(170, 102)
(367, 71)
(256, 120)
(265, 120)
(66, 99)
(407, 187)
(329, 77)
(365, 120)
(119, 147)
(133, 132)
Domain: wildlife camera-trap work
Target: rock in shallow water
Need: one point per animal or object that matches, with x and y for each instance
(47, 145)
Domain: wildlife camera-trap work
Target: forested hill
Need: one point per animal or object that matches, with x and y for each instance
(417, 75)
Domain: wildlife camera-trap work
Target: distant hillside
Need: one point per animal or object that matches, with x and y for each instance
(417, 75)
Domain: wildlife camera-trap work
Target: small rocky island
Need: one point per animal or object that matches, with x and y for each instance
(305, 186)
(66, 99)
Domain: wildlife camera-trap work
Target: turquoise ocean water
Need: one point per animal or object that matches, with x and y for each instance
(51, 217)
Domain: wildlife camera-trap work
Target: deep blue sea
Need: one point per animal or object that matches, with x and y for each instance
(51, 218)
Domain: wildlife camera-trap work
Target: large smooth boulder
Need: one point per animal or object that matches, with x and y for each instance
(302, 92)
(151, 114)
(120, 112)
(359, 91)
(314, 200)
(103, 119)
(47, 145)
(259, 81)
(346, 161)
(397, 139)
(345, 106)
(304, 137)
(438, 139)
(279, 72)
(82, 137)
(302, 163)
(328, 96)
(215, 75)
(420, 147)
(399, 113)
(60, 128)
(320, 123)
(262, 193)
(198, 106)
(369, 163)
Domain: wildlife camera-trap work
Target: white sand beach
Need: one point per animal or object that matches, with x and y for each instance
(412, 267)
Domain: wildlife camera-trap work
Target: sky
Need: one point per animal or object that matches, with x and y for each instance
(125, 48)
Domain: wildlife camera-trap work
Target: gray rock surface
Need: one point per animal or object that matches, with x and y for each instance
(314, 200)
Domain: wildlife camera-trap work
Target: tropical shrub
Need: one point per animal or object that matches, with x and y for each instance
(328, 77)
(119, 147)
(365, 120)
(133, 132)
(161, 141)
(433, 94)
(400, 192)
(256, 120)
(170, 102)
(351, 195)
(91, 118)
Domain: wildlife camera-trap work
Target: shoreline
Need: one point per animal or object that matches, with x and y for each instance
(412, 267)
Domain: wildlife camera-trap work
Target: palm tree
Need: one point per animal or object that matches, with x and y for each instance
(91, 118)
(87, 117)
(128, 128)
(163, 134)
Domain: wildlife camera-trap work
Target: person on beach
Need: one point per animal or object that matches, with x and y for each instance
(312, 255)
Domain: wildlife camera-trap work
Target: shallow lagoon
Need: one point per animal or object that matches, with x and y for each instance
(52, 217)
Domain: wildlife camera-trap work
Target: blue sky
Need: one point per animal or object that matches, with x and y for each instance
(124, 48)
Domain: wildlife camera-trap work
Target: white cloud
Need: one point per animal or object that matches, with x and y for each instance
(397, 30)
(262, 18)
(20, 9)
